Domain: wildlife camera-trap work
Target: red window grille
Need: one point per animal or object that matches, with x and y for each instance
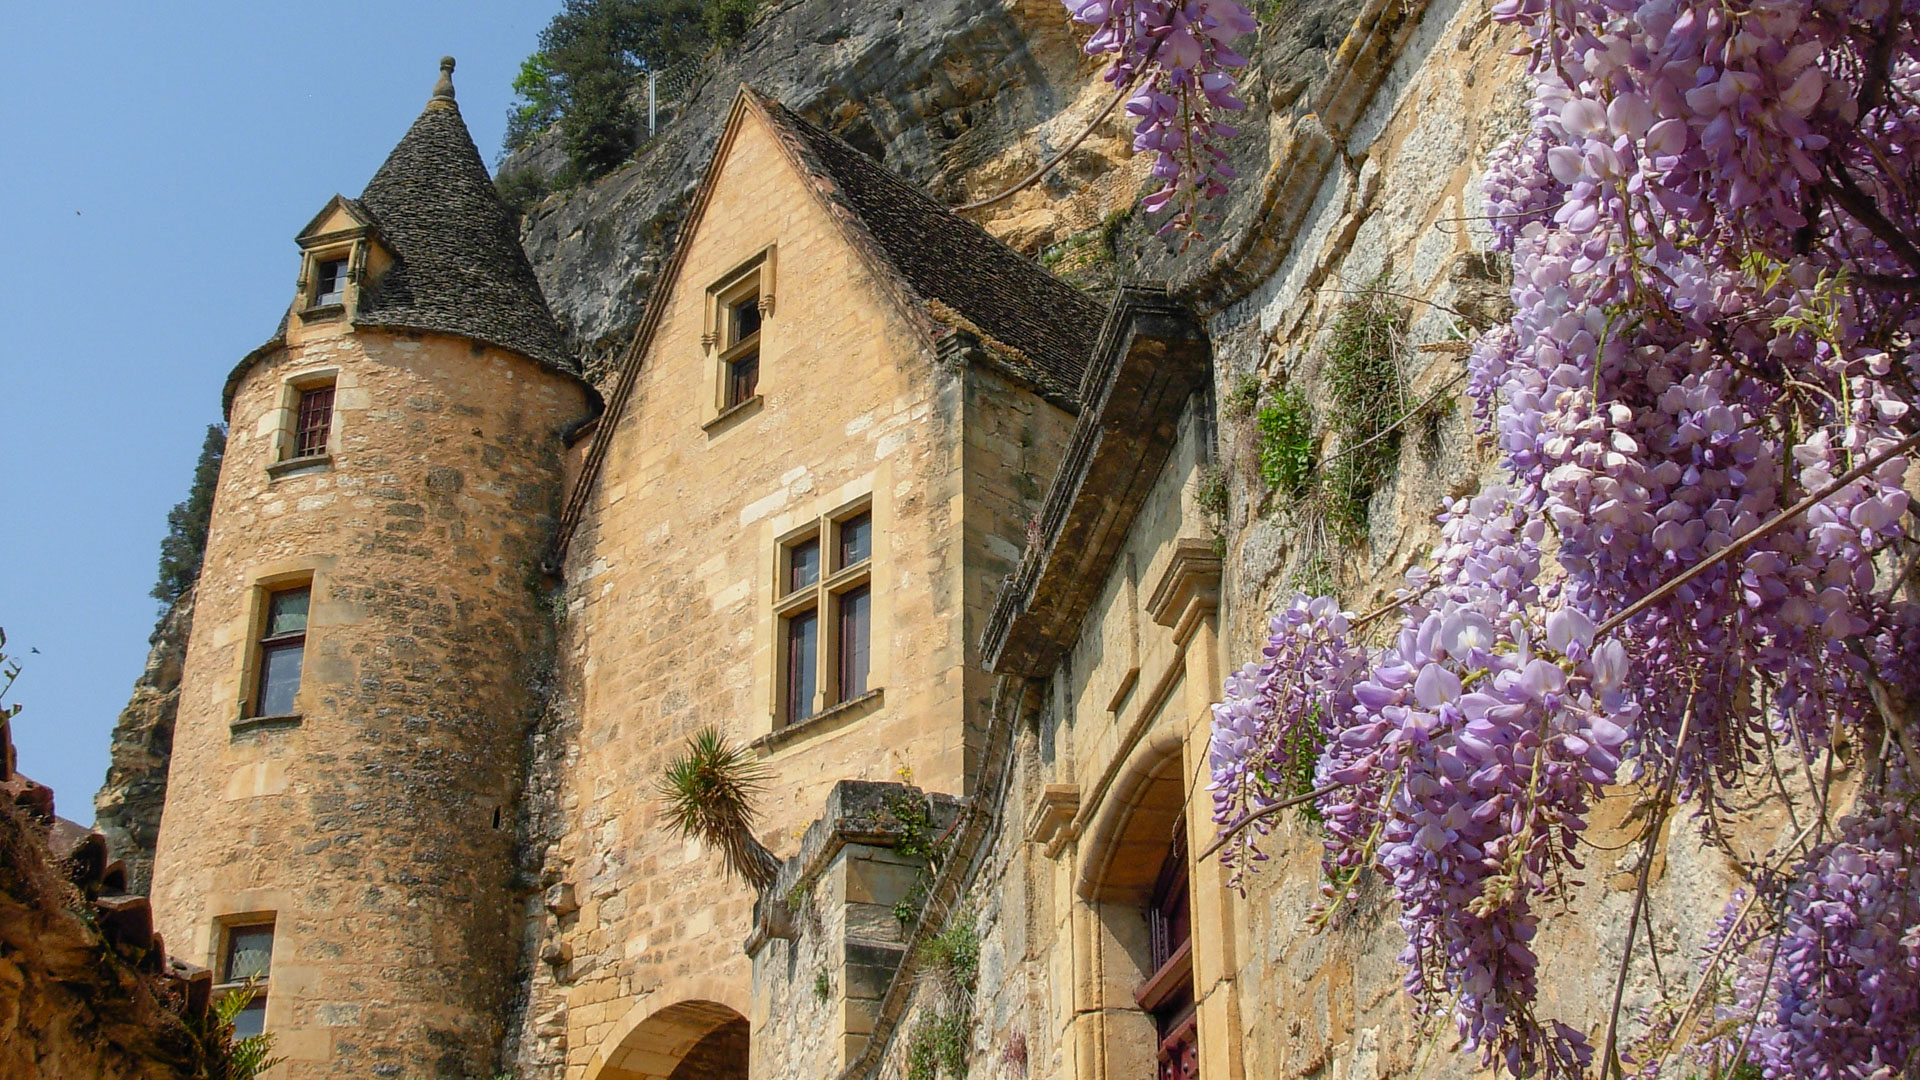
(316, 416)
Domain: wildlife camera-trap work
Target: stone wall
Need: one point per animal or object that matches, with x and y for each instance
(374, 828)
(670, 602)
(127, 808)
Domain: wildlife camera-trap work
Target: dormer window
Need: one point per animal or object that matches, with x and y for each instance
(329, 282)
(737, 305)
(741, 341)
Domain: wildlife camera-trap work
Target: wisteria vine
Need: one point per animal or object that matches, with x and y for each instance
(1184, 51)
(1712, 222)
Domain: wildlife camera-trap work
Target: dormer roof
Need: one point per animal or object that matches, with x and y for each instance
(339, 207)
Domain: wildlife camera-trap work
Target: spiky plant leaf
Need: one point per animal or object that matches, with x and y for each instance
(709, 793)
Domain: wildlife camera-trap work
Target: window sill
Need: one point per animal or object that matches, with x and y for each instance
(730, 414)
(820, 721)
(248, 724)
(323, 312)
(300, 466)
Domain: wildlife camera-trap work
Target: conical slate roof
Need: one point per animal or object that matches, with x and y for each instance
(459, 268)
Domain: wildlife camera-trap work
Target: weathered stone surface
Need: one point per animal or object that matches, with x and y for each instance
(127, 807)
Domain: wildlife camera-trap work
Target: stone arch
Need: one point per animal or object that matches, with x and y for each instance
(1128, 847)
(1134, 822)
(690, 1031)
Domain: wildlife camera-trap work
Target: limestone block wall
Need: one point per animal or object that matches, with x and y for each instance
(375, 830)
(669, 602)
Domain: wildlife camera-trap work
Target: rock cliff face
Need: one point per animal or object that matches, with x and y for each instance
(962, 97)
(127, 807)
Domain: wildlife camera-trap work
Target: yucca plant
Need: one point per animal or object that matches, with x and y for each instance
(710, 792)
(225, 1057)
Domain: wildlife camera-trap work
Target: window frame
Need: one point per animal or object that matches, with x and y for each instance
(297, 444)
(337, 298)
(262, 639)
(221, 962)
(286, 441)
(730, 352)
(824, 598)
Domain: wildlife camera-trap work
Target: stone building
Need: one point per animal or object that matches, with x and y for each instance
(940, 540)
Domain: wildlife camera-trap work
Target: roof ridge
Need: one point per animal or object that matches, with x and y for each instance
(1043, 327)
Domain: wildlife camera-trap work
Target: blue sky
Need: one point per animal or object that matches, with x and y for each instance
(158, 159)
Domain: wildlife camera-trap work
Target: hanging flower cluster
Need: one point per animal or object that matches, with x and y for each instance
(1184, 49)
(1712, 221)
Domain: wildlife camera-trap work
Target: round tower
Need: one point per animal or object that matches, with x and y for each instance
(370, 632)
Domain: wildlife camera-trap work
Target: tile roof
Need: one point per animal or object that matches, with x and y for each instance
(1040, 327)
(459, 266)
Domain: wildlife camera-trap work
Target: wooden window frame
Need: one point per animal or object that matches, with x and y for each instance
(301, 427)
(294, 389)
(222, 960)
(823, 598)
(261, 640)
(731, 351)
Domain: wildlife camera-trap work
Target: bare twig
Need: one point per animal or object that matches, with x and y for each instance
(1264, 812)
(1048, 165)
(1395, 426)
(1758, 533)
(1610, 1058)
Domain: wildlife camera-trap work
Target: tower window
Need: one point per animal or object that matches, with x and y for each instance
(282, 652)
(244, 965)
(743, 377)
(329, 282)
(313, 422)
(825, 616)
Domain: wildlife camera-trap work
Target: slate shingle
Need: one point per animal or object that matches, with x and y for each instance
(459, 265)
(944, 260)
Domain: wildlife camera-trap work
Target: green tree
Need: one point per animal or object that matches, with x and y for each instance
(186, 541)
(592, 63)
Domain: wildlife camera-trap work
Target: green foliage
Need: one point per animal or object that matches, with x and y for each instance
(593, 61)
(1286, 443)
(955, 953)
(917, 841)
(522, 189)
(938, 1046)
(727, 21)
(185, 544)
(538, 101)
(9, 671)
(710, 791)
(1210, 496)
(220, 1055)
(1367, 398)
(1243, 398)
(822, 984)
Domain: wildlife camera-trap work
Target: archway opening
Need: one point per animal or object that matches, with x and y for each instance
(689, 1040)
(1136, 882)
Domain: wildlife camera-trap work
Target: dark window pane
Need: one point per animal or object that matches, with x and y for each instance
(856, 623)
(856, 540)
(310, 427)
(249, 952)
(251, 1020)
(746, 319)
(803, 564)
(803, 650)
(743, 378)
(332, 285)
(287, 612)
(280, 664)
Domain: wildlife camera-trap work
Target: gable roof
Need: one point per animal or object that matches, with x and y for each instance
(949, 275)
(957, 272)
(458, 265)
(351, 207)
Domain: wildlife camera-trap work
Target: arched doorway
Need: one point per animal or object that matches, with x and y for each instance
(689, 1040)
(1134, 885)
